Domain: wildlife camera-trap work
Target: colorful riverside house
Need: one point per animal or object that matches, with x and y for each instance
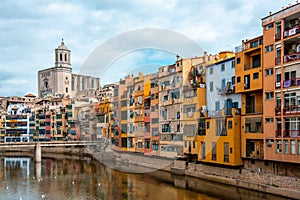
(139, 111)
(219, 133)
(147, 111)
(124, 114)
(170, 106)
(72, 134)
(18, 113)
(193, 101)
(154, 115)
(248, 83)
(130, 113)
(115, 134)
(281, 34)
(2, 126)
(104, 111)
(43, 125)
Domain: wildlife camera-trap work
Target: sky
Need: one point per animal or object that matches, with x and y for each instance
(30, 30)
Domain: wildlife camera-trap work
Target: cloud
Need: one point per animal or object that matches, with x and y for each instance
(31, 30)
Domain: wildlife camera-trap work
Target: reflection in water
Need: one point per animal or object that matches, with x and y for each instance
(66, 178)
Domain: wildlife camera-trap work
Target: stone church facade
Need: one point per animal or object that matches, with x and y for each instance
(59, 81)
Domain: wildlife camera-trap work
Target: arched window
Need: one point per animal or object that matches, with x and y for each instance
(60, 57)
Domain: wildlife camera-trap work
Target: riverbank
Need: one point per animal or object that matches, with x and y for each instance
(139, 163)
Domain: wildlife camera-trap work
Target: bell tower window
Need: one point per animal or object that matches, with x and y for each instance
(66, 57)
(60, 57)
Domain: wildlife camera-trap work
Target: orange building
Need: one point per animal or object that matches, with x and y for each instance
(249, 83)
(281, 59)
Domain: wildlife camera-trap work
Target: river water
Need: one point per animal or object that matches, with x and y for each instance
(64, 177)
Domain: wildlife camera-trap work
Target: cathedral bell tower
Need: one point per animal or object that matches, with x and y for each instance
(62, 56)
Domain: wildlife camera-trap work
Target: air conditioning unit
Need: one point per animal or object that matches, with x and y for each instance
(277, 84)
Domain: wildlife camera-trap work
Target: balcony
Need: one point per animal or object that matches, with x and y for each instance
(291, 32)
(291, 57)
(294, 109)
(253, 65)
(277, 36)
(292, 133)
(291, 82)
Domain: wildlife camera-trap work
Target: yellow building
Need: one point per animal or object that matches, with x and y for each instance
(138, 119)
(219, 122)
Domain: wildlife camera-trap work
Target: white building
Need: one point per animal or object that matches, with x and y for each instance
(220, 89)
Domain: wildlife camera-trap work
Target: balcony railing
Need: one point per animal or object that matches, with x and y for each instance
(292, 133)
(294, 109)
(291, 82)
(277, 36)
(291, 57)
(290, 32)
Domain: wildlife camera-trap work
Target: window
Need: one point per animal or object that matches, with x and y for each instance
(229, 124)
(155, 145)
(73, 84)
(220, 127)
(202, 151)
(207, 125)
(124, 115)
(222, 67)
(175, 94)
(238, 60)
(233, 80)
(211, 86)
(269, 120)
(67, 90)
(154, 121)
(286, 146)
(154, 131)
(238, 79)
(92, 84)
(255, 76)
(269, 26)
(254, 44)
(269, 48)
(124, 103)
(269, 71)
(269, 95)
(211, 70)
(217, 105)
(214, 151)
(166, 98)
(293, 147)
(278, 146)
(226, 152)
(147, 144)
(232, 64)
(299, 147)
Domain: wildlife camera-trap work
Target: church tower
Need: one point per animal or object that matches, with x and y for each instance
(55, 81)
(62, 56)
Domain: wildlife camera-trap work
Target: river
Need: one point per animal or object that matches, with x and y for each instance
(64, 177)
